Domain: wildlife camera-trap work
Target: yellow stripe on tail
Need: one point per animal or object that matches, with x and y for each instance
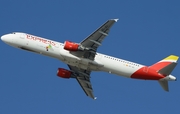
(171, 58)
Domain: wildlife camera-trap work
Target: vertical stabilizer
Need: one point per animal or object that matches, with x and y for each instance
(166, 66)
(167, 69)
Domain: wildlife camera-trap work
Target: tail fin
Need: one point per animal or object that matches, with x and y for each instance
(165, 67)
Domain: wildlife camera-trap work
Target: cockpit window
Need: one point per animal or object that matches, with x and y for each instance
(13, 33)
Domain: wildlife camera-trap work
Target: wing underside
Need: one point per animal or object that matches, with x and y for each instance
(83, 78)
(86, 86)
(94, 40)
(88, 50)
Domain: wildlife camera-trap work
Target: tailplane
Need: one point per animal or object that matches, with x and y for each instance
(164, 84)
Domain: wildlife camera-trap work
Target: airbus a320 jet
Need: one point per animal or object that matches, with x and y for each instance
(82, 58)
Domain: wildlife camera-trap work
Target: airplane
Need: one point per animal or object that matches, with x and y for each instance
(82, 58)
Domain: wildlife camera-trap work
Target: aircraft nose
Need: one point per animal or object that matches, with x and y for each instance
(6, 38)
(2, 38)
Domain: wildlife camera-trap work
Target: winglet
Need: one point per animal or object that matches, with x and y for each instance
(115, 20)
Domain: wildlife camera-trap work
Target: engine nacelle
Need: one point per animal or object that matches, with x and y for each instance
(63, 73)
(71, 46)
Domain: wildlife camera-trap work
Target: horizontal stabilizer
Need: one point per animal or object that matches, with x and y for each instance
(164, 84)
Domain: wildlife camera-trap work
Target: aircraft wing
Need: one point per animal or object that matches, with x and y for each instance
(93, 41)
(89, 47)
(83, 78)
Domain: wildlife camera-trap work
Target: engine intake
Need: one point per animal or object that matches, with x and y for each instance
(63, 73)
(71, 46)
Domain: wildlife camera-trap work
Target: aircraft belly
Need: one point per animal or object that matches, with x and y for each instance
(82, 63)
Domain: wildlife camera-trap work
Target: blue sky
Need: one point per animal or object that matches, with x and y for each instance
(147, 31)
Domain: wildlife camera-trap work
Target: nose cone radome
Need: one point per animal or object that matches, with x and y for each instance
(2, 38)
(6, 38)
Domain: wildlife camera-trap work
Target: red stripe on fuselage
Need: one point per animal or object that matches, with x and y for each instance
(147, 73)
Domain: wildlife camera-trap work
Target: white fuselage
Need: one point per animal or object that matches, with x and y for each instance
(56, 50)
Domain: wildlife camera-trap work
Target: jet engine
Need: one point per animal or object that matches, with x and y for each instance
(63, 73)
(71, 46)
